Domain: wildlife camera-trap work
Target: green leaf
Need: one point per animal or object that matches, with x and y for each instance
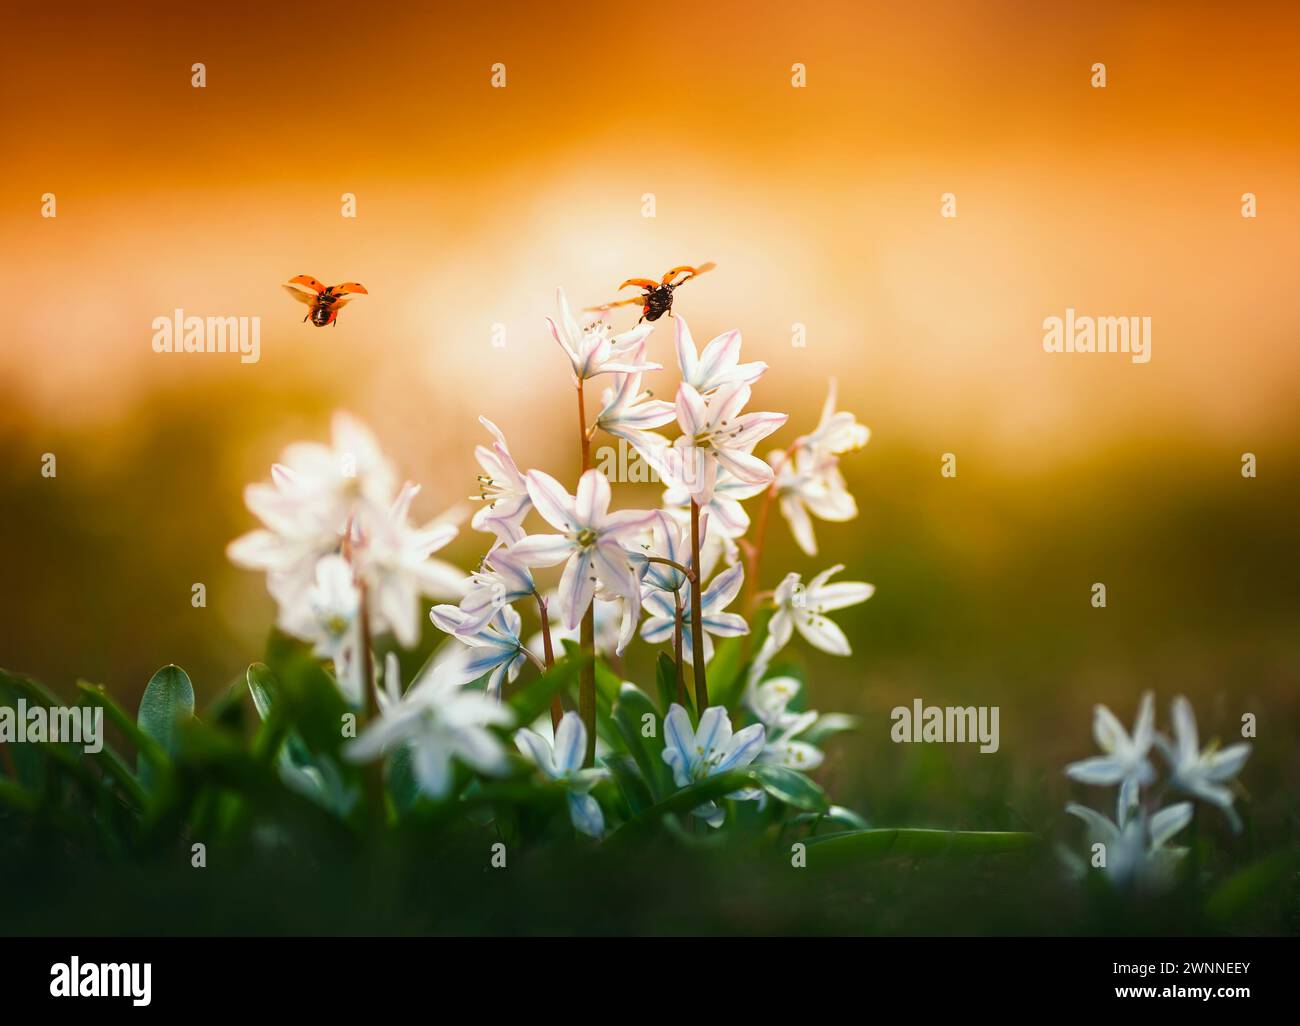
(666, 680)
(625, 773)
(864, 845)
(1259, 881)
(630, 714)
(793, 788)
(168, 700)
(309, 702)
(34, 690)
(262, 685)
(828, 725)
(402, 785)
(688, 798)
(145, 746)
(836, 814)
(725, 676)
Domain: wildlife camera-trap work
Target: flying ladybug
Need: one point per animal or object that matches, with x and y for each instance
(325, 302)
(656, 298)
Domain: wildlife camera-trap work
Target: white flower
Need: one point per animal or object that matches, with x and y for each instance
(393, 558)
(665, 538)
(316, 491)
(591, 545)
(717, 365)
(1125, 762)
(1135, 849)
(629, 413)
(695, 755)
(810, 482)
(564, 763)
(501, 488)
(808, 479)
(837, 432)
(1202, 774)
(440, 721)
(327, 485)
(770, 702)
(805, 608)
(329, 618)
(388, 690)
(495, 644)
(319, 495)
(591, 350)
(726, 515)
(720, 593)
(715, 437)
(500, 580)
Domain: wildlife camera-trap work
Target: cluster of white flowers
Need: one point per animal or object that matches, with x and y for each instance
(336, 545)
(336, 540)
(1134, 845)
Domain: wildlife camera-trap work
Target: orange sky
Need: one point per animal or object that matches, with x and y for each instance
(821, 205)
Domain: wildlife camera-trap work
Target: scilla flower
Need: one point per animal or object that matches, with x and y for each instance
(695, 755)
(1134, 849)
(631, 414)
(564, 763)
(440, 721)
(1126, 761)
(316, 492)
(721, 592)
(718, 365)
(808, 479)
(804, 608)
(395, 560)
(591, 545)
(770, 702)
(330, 619)
(502, 489)
(592, 350)
(495, 646)
(717, 437)
(500, 581)
(1202, 774)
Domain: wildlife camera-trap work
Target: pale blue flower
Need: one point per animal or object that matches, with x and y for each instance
(1125, 762)
(1134, 848)
(495, 647)
(563, 763)
(720, 593)
(1202, 774)
(695, 755)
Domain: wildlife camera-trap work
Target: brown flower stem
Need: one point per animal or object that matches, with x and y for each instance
(584, 438)
(557, 707)
(754, 550)
(686, 571)
(677, 651)
(697, 617)
(587, 635)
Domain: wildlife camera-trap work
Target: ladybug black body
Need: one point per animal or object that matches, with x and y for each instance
(325, 301)
(656, 298)
(658, 301)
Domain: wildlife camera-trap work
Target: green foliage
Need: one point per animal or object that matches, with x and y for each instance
(866, 845)
(263, 770)
(168, 701)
